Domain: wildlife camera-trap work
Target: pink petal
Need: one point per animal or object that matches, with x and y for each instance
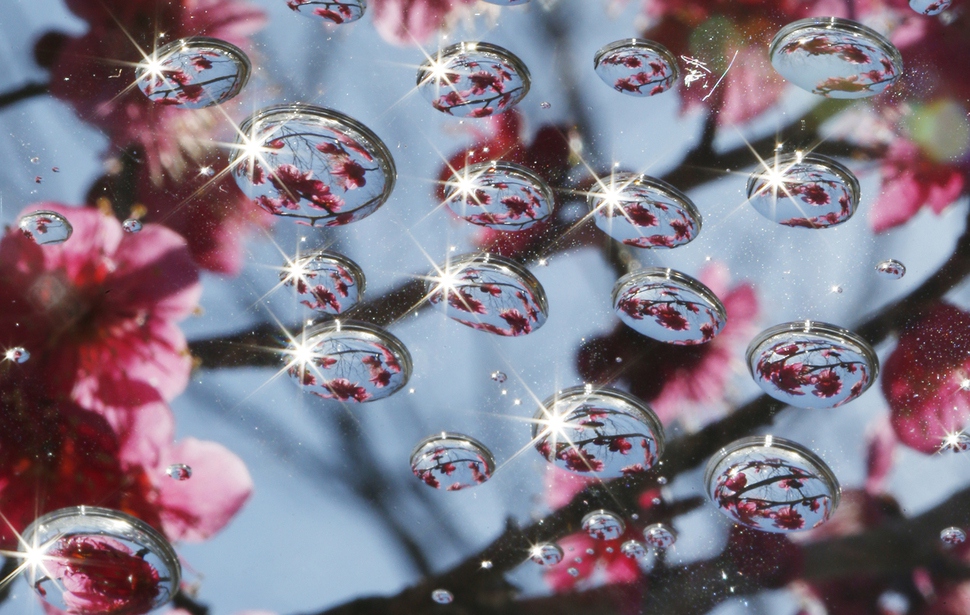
(880, 452)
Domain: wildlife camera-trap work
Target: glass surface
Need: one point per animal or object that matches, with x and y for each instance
(185, 338)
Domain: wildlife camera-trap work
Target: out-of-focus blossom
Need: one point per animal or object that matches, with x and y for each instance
(98, 312)
(412, 22)
(926, 379)
(880, 454)
(682, 383)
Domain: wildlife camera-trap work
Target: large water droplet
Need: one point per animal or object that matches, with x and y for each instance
(349, 362)
(471, 79)
(452, 461)
(633, 550)
(499, 195)
(812, 364)
(956, 442)
(604, 433)
(46, 227)
(929, 7)
(314, 165)
(442, 596)
(643, 212)
(546, 554)
(193, 73)
(489, 293)
(953, 536)
(770, 484)
(806, 190)
(331, 11)
(179, 471)
(668, 306)
(131, 225)
(96, 560)
(17, 354)
(659, 536)
(636, 67)
(325, 281)
(891, 269)
(603, 525)
(835, 57)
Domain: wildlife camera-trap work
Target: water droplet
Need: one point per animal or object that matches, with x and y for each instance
(499, 195)
(545, 105)
(193, 73)
(131, 225)
(770, 484)
(659, 536)
(590, 551)
(835, 57)
(179, 471)
(636, 67)
(891, 269)
(349, 361)
(929, 7)
(442, 596)
(578, 560)
(38, 179)
(452, 461)
(325, 281)
(956, 442)
(656, 501)
(643, 212)
(953, 536)
(811, 364)
(489, 293)
(609, 549)
(35, 160)
(661, 480)
(603, 525)
(85, 550)
(333, 12)
(810, 191)
(17, 354)
(473, 80)
(207, 171)
(46, 227)
(546, 554)
(668, 306)
(486, 564)
(604, 433)
(55, 169)
(893, 603)
(317, 166)
(633, 550)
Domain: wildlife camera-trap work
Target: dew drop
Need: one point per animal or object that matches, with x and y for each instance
(808, 191)
(633, 550)
(953, 536)
(131, 225)
(636, 67)
(442, 596)
(325, 281)
(179, 471)
(193, 73)
(578, 560)
(35, 160)
(207, 171)
(545, 105)
(603, 525)
(659, 536)
(661, 480)
(656, 501)
(452, 462)
(486, 564)
(790, 485)
(609, 549)
(643, 212)
(56, 169)
(590, 551)
(891, 269)
(17, 354)
(929, 7)
(572, 572)
(38, 179)
(46, 227)
(499, 195)
(668, 306)
(446, 80)
(547, 554)
(837, 290)
(340, 12)
(956, 442)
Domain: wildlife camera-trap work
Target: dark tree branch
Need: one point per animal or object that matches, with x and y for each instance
(24, 92)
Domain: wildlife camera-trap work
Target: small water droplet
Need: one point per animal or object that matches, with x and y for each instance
(953, 536)
(547, 554)
(929, 7)
(837, 289)
(661, 480)
(46, 227)
(17, 354)
(499, 195)
(449, 80)
(603, 525)
(893, 603)
(956, 442)
(324, 281)
(656, 501)
(618, 359)
(636, 67)
(578, 560)
(633, 550)
(891, 269)
(809, 191)
(179, 471)
(486, 564)
(659, 536)
(442, 596)
(545, 105)
(609, 549)
(590, 551)
(452, 461)
(668, 306)
(131, 225)
(207, 171)
(499, 376)
(573, 572)
(35, 160)
(644, 212)
(56, 169)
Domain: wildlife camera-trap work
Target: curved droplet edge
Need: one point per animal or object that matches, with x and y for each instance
(453, 435)
(665, 273)
(844, 173)
(479, 47)
(658, 185)
(641, 43)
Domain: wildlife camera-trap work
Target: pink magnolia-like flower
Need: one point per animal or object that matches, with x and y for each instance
(98, 312)
(411, 22)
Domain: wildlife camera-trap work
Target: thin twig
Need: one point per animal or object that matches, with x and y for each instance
(24, 92)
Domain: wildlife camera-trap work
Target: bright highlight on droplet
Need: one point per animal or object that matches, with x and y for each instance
(953, 536)
(547, 554)
(193, 73)
(131, 225)
(473, 79)
(442, 596)
(810, 191)
(603, 525)
(659, 536)
(891, 269)
(17, 354)
(179, 471)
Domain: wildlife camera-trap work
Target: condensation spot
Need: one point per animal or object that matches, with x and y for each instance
(452, 462)
(442, 596)
(636, 67)
(193, 73)
(46, 227)
(472, 79)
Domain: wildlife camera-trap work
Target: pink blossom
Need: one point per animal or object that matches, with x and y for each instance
(411, 22)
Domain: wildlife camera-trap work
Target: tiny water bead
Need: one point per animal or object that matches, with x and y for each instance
(952, 536)
(636, 67)
(572, 572)
(804, 190)
(891, 269)
(958, 442)
(314, 165)
(929, 7)
(348, 361)
(603, 525)
(810, 364)
(600, 432)
(333, 11)
(17, 354)
(659, 536)
(668, 306)
(633, 550)
(179, 471)
(547, 554)
(499, 377)
(489, 293)
(499, 195)
(452, 461)
(46, 227)
(473, 79)
(193, 73)
(131, 225)
(771, 484)
(442, 596)
(97, 560)
(835, 57)
(325, 281)
(643, 212)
